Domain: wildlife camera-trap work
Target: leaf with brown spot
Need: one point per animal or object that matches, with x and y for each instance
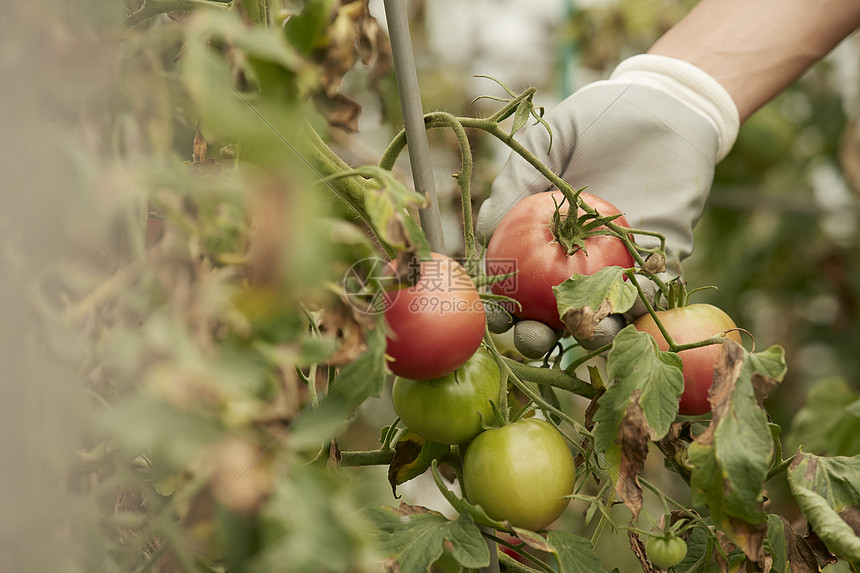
(585, 300)
(412, 456)
(730, 459)
(827, 490)
(638, 368)
(788, 550)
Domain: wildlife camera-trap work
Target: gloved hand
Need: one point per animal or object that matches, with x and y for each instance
(646, 140)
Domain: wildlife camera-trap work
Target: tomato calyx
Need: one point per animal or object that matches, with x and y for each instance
(570, 229)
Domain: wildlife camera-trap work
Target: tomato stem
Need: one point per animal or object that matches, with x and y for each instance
(778, 468)
(549, 377)
(381, 457)
(508, 366)
(631, 274)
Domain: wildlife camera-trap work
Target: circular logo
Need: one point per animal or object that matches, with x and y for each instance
(366, 283)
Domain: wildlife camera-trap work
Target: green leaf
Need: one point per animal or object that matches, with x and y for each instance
(697, 548)
(606, 286)
(412, 456)
(731, 458)
(584, 300)
(640, 405)
(642, 372)
(574, 554)
(414, 536)
(385, 216)
(827, 490)
(521, 116)
(308, 29)
(262, 122)
(829, 424)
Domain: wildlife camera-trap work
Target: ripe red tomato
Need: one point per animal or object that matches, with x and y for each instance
(665, 552)
(437, 324)
(688, 324)
(524, 242)
(520, 472)
(450, 409)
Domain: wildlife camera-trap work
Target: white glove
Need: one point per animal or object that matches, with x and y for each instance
(646, 140)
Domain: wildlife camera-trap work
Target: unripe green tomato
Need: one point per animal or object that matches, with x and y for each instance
(520, 473)
(450, 409)
(533, 339)
(665, 552)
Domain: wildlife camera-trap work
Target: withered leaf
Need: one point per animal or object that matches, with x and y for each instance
(581, 322)
(339, 111)
(633, 438)
(638, 548)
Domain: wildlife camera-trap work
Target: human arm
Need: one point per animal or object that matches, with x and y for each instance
(648, 138)
(757, 49)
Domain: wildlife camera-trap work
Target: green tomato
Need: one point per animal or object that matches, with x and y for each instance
(665, 552)
(450, 409)
(520, 473)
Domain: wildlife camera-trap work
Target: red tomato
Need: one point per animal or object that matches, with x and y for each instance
(524, 242)
(436, 325)
(688, 324)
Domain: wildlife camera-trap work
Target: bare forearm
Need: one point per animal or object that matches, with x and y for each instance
(755, 49)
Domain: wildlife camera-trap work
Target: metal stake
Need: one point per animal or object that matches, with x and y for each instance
(413, 117)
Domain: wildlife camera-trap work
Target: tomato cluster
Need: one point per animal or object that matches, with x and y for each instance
(521, 472)
(445, 390)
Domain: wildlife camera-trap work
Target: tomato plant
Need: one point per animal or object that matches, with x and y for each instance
(530, 242)
(665, 551)
(450, 409)
(436, 324)
(520, 472)
(686, 325)
(219, 395)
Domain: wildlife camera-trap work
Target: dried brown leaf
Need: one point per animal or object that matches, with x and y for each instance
(581, 322)
(633, 436)
(726, 374)
(339, 111)
(638, 548)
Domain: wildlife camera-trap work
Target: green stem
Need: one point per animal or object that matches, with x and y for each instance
(778, 468)
(631, 274)
(585, 358)
(666, 499)
(549, 377)
(435, 120)
(514, 566)
(351, 190)
(528, 391)
(511, 107)
(366, 458)
(464, 179)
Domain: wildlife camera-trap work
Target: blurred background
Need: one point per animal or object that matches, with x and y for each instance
(136, 385)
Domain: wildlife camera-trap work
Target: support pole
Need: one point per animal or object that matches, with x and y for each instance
(413, 117)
